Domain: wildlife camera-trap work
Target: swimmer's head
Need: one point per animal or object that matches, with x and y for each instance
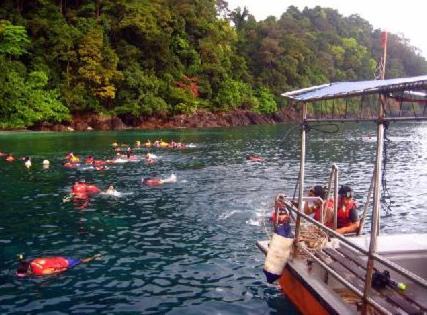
(24, 267)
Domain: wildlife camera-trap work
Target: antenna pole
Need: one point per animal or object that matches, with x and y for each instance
(384, 58)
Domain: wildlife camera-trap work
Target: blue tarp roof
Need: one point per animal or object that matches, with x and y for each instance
(348, 89)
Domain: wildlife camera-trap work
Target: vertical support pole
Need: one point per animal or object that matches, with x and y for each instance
(377, 206)
(335, 199)
(384, 34)
(301, 173)
(330, 182)
(365, 209)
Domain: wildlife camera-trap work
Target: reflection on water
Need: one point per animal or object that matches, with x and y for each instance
(186, 247)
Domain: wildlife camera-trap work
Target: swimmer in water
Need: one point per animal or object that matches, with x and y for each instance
(89, 160)
(153, 181)
(254, 158)
(111, 190)
(44, 266)
(46, 164)
(81, 192)
(9, 158)
(27, 162)
(72, 158)
(150, 158)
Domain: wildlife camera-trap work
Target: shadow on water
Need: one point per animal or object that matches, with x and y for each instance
(187, 247)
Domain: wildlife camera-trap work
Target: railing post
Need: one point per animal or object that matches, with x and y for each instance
(335, 199)
(365, 209)
(301, 173)
(377, 207)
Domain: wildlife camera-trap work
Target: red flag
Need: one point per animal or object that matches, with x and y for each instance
(383, 38)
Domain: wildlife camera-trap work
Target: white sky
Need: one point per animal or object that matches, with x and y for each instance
(407, 17)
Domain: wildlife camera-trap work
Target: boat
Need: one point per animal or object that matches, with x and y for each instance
(360, 273)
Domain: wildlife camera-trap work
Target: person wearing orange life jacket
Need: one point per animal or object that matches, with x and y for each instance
(281, 218)
(81, 188)
(9, 158)
(90, 159)
(316, 206)
(44, 266)
(282, 215)
(347, 217)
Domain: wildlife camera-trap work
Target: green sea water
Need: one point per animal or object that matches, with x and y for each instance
(187, 247)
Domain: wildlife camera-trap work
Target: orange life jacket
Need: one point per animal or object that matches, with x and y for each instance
(329, 204)
(48, 265)
(280, 219)
(343, 215)
(152, 181)
(82, 188)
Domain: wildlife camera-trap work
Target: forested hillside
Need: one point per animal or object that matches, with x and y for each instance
(142, 58)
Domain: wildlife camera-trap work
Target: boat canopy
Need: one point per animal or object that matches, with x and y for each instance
(350, 89)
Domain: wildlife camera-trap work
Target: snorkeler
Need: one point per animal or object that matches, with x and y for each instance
(46, 164)
(72, 158)
(9, 158)
(27, 162)
(44, 266)
(254, 158)
(89, 160)
(150, 158)
(84, 190)
(111, 190)
(154, 181)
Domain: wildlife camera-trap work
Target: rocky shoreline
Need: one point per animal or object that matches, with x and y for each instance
(200, 119)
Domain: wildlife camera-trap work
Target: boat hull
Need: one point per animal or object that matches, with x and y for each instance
(300, 295)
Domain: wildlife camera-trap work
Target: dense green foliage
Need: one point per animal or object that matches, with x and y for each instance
(138, 58)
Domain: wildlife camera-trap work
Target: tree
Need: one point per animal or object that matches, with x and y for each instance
(14, 40)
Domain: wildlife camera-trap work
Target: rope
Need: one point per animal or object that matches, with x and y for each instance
(320, 128)
(385, 198)
(312, 238)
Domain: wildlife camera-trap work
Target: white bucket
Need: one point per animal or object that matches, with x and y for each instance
(278, 254)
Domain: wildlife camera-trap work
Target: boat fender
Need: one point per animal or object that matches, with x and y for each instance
(277, 256)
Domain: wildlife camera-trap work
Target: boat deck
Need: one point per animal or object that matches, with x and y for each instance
(352, 267)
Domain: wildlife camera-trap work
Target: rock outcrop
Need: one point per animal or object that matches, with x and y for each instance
(199, 119)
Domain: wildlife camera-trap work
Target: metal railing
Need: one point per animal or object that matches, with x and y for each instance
(374, 256)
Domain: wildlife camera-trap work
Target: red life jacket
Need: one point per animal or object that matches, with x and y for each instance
(329, 204)
(343, 215)
(152, 181)
(92, 189)
(82, 188)
(281, 218)
(48, 265)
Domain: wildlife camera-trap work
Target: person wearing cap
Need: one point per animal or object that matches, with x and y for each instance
(44, 266)
(347, 216)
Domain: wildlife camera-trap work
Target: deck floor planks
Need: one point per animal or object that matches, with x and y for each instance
(355, 281)
(408, 294)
